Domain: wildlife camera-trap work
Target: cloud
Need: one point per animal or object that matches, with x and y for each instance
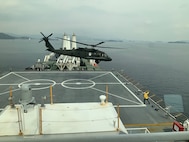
(133, 19)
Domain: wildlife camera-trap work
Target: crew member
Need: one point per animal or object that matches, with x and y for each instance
(146, 96)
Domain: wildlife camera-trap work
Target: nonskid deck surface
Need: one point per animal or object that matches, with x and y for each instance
(84, 86)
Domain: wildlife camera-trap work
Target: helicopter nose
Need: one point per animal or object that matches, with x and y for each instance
(109, 59)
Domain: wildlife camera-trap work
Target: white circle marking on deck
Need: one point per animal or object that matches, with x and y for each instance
(78, 83)
(38, 82)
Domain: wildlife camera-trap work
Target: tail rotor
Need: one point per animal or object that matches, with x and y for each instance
(47, 43)
(44, 37)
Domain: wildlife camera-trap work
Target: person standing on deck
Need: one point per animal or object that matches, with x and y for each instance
(146, 97)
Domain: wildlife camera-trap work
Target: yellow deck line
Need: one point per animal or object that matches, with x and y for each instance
(153, 124)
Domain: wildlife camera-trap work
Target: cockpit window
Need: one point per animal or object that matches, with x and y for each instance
(104, 55)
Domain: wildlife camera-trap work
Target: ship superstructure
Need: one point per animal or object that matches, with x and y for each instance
(64, 61)
(78, 105)
(69, 99)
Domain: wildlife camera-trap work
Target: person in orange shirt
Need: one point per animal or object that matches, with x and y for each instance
(146, 97)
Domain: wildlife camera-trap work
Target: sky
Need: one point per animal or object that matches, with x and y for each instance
(149, 20)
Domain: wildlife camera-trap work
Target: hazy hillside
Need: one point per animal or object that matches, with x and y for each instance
(6, 36)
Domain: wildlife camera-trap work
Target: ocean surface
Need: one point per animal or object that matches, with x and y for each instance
(161, 67)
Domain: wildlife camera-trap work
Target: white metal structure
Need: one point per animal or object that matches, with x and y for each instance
(64, 61)
(61, 118)
(68, 61)
(74, 45)
(47, 57)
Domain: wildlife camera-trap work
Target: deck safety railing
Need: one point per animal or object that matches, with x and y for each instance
(139, 89)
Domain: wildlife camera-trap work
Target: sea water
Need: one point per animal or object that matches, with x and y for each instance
(161, 67)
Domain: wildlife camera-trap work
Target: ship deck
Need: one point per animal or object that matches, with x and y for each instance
(86, 87)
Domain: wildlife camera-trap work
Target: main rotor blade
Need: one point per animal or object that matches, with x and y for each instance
(42, 34)
(41, 40)
(99, 43)
(47, 36)
(44, 37)
(110, 47)
(50, 35)
(92, 45)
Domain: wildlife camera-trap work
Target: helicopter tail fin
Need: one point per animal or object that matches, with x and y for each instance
(47, 43)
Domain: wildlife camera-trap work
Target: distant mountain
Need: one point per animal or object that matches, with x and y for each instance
(6, 36)
(114, 40)
(178, 42)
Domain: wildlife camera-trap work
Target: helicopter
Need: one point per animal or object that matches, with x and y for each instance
(86, 53)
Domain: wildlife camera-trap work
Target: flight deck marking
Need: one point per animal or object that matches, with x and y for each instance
(106, 83)
(127, 89)
(6, 75)
(65, 72)
(9, 91)
(51, 82)
(100, 75)
(9, 84)
(14, 90)
(21, 76)
(117, 96)
(78, 82)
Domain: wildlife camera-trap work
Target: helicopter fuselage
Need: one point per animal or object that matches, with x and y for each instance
(87, 53)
